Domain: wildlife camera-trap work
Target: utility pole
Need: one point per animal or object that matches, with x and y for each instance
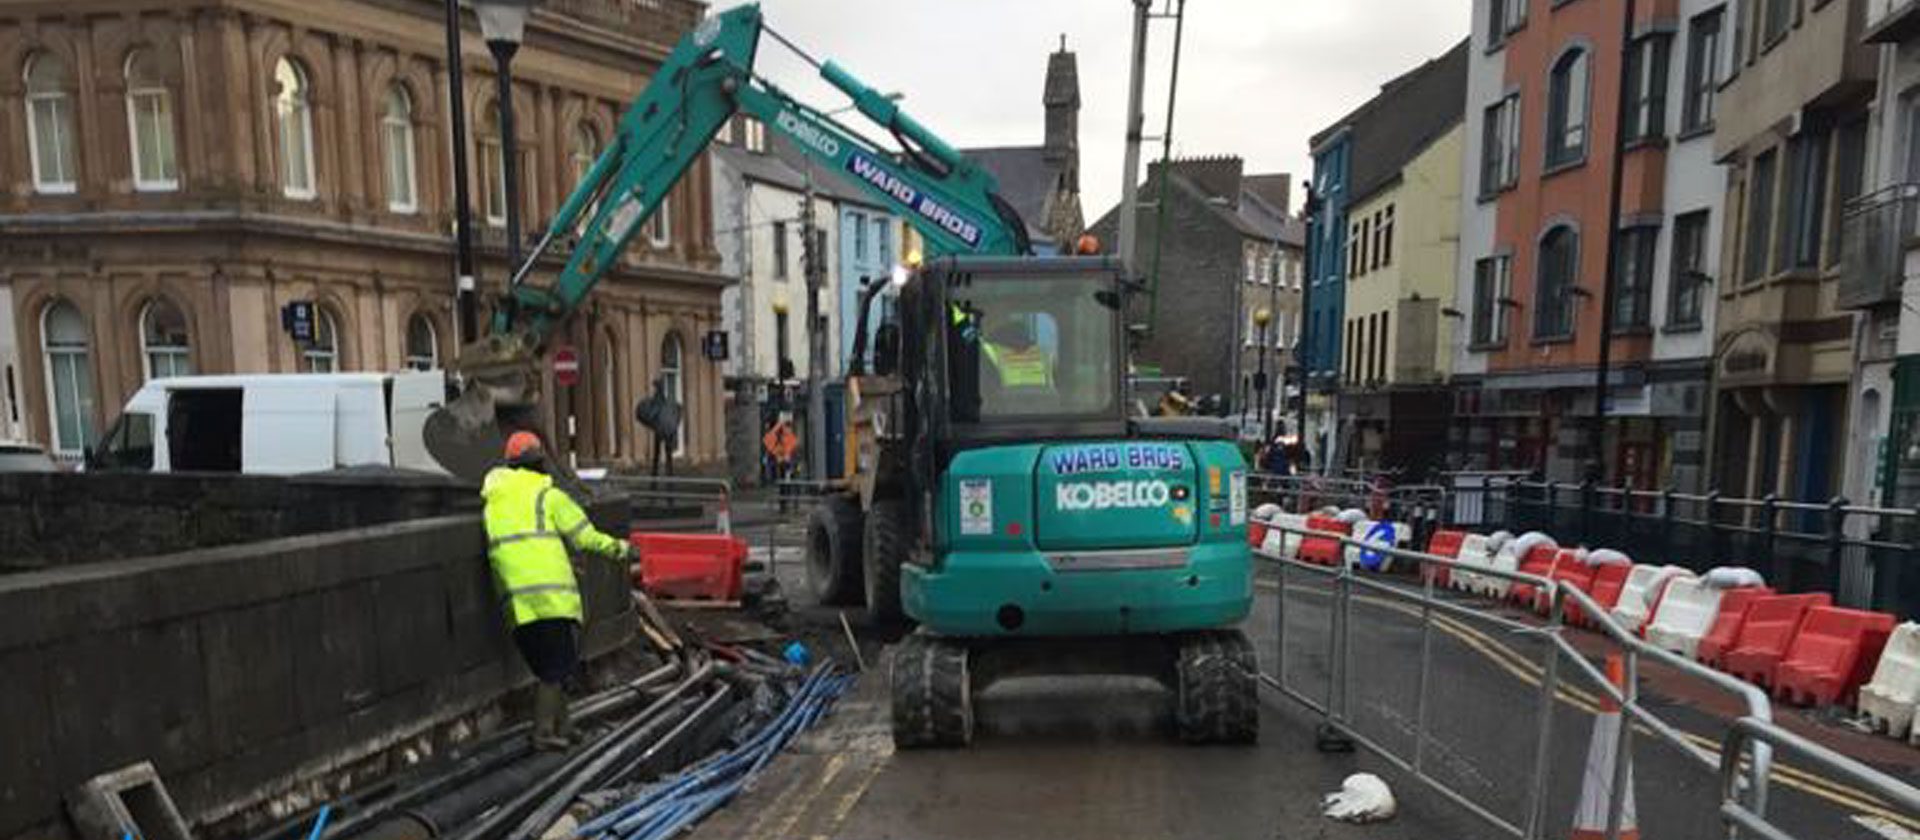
(1136, 119)
(1166, 167)
(813, 265)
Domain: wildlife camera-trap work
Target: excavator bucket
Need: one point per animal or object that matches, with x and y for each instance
(468, 434)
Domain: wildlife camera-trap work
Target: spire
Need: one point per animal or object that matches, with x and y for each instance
(1061, 96)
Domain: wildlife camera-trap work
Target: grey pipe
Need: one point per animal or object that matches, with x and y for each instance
(533, 793)
(578, 780)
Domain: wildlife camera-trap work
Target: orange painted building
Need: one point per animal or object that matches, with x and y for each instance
(1544, 118)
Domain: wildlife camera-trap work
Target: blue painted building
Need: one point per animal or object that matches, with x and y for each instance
(1326, 276)
(869, 249)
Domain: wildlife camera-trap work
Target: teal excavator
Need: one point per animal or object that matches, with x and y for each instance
(998, 495)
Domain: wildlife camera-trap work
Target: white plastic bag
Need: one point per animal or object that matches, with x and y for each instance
(1362, 798)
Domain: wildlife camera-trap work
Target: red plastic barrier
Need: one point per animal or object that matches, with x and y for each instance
(1604, 587)
(1445, 544)
(1256, 532)
(1570, 571)
(693, 566)
(1768, 631)
(1726, 624)
(1540, 560)
(1322, 550)
(1832, 656)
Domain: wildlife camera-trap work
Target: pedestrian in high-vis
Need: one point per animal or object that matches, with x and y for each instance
(531, 525)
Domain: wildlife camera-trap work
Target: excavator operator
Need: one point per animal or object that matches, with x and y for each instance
(1011, 350)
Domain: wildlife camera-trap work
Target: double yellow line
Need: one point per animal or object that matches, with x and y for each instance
(1529, 672)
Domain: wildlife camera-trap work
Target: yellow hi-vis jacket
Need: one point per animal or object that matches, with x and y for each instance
(1027, 368)
(530, 525)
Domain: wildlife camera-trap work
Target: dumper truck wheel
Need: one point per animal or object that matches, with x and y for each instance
(833, 551)
(932, 693)
(885, 550)
(1217, 687)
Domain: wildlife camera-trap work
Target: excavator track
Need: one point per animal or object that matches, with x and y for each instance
(932, 693)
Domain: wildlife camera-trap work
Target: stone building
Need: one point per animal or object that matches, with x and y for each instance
(173, 175)
(1228, 246)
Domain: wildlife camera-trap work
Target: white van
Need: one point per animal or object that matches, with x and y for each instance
(274, 424)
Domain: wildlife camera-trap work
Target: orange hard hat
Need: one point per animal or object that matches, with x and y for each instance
(521, 445)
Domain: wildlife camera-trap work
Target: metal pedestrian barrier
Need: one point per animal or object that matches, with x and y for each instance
(1316, 600)
(713, 496)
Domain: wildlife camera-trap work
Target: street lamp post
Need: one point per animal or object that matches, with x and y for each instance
(1310, 210)
(1261, 318)
(504, 23)
(462, 203)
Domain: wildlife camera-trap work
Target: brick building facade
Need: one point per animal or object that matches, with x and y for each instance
(173, 174)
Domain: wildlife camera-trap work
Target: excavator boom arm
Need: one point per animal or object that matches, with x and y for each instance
(706, 80)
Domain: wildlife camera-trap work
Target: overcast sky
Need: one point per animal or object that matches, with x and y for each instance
(1257, 77)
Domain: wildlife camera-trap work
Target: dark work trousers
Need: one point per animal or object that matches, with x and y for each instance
(550, 648)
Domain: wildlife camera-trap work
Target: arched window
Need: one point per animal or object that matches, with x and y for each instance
(493, 168)
(150, 124)
(672, 376)
(582, 151)
(164, 346)
(610, 399)
(323, 354)
(1567, 109)
(50, 124)
(63, 337)
(396, 134)
(423, 343)
(1553, 294)
(293, 113)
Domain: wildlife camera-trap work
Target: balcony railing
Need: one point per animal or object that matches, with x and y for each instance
(1891, 21)
(1875, 231)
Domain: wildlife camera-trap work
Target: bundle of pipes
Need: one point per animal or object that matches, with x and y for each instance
(442, 792)
(499, 788)
(663, 809)
(512, 770)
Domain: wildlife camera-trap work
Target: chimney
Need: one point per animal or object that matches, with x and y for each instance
(1218, 177)
(1062, 100)
(1275, 189)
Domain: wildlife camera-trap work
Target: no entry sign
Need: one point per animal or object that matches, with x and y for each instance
(566, 367)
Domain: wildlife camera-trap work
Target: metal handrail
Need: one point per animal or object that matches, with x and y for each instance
(1750, 732)
(1726, 501)
(1753, 735)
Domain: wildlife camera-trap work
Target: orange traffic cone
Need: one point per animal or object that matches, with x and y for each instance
(1596, 784)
